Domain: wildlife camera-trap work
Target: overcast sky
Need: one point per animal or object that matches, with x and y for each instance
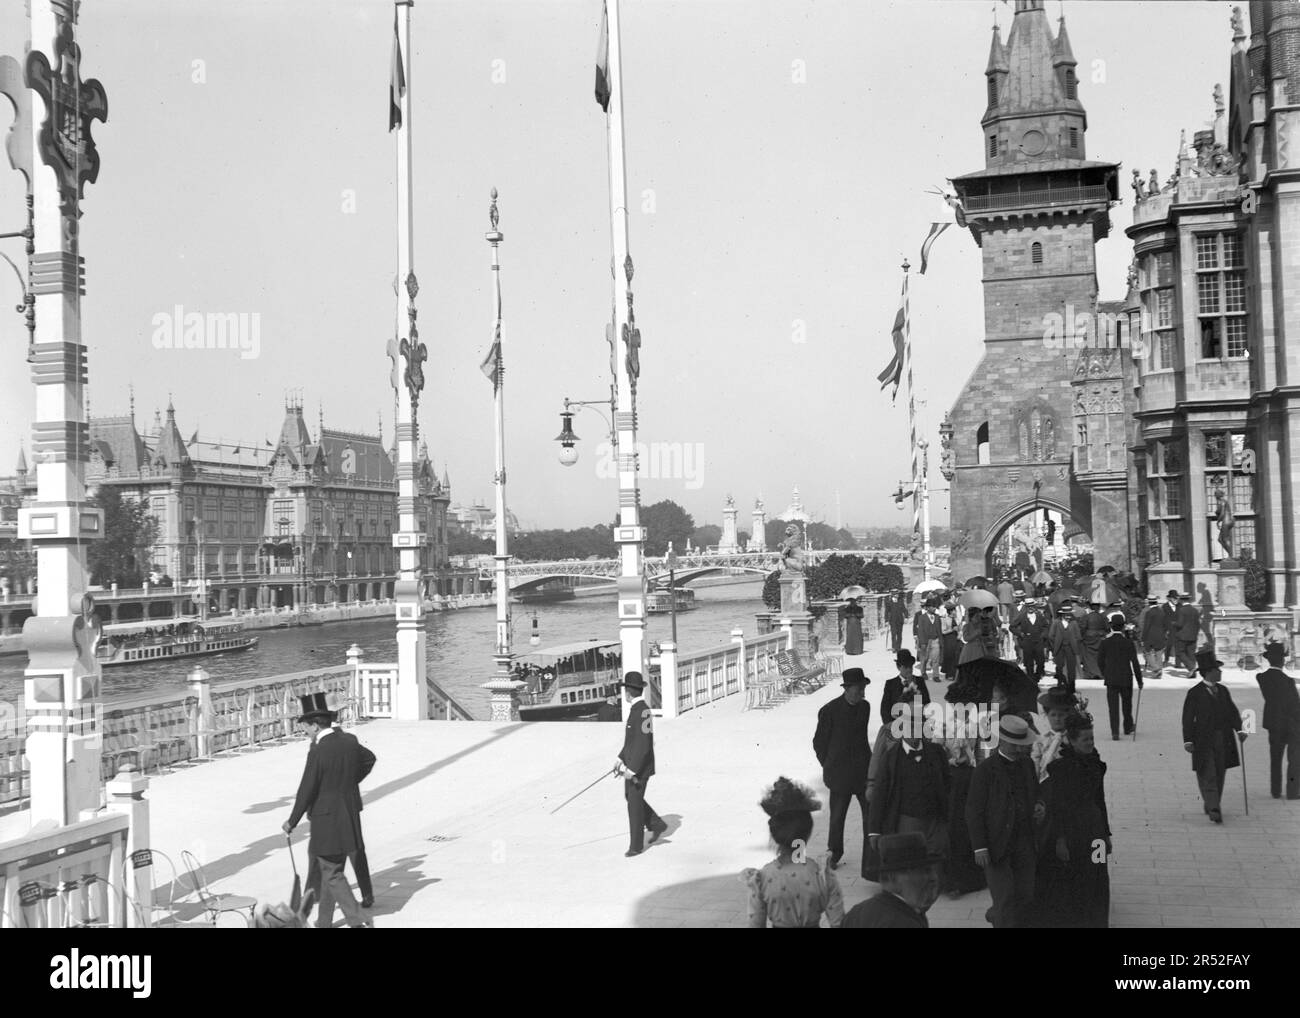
(247, 168)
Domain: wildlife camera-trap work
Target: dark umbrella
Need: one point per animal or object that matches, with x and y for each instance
(295, 897)
(977, 678)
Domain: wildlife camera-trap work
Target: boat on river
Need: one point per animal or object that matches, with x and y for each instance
(132, 643)
(664, 602)
(572, 682)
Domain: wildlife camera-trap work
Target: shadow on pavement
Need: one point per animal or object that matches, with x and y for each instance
(682, 904)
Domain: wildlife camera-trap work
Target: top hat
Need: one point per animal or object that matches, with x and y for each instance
(899, 852)
(1206, 660)
(905, 658)
(633, 680)
(1175, 593)
(786, 796)
(1057, 698)
(315, 706)
(1015, 730)
(854, 677)
(1275, 652)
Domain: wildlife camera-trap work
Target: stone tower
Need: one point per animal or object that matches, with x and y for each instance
(758, 533)
(1036, 211)
(729, 544)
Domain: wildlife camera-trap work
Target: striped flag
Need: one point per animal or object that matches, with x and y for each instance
(935, 230)
(893, 374)
(397, 81)
(602, 61)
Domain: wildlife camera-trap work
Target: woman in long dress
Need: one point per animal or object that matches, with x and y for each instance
(853, 627)
(794, 890)
(951, 642)
(1076, 886)
(962, 874)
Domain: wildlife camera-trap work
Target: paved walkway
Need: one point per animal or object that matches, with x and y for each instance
(460, 832)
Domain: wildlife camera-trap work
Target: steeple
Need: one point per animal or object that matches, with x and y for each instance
(997, 53)
(21, 467)
(1062, 55)
(171, 451)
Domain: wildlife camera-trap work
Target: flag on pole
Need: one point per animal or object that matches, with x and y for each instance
(602, 61)
(893, 374)
(397, 83)
(935, 230)
(491, 365)
(194, 437)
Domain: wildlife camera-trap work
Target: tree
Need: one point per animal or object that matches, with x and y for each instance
(1255, 589)
(17, 562)
(130, 532)
(461, 542)
(666, 521)
(772, 590)
(706, 536)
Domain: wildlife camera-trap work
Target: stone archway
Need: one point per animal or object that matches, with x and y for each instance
(997, 530)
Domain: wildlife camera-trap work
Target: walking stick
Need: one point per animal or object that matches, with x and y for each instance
(295, 898)
(1241, 755)
(587, 789)
(1137, 712)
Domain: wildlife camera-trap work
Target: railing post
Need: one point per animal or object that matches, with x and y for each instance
(787, 628)
(126, 795)
(354, 662)
(738, 638)
(201, 687)
(668, 678)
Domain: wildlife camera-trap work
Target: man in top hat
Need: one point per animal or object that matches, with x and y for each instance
(895, 616)
(1211, 729)
(909, 885)
(330, 797)
(1002, 809)
(1281, 720)
(1118, 661)
(1153, 634)
(902, 688)
(843, 749)
(1066, 644)
(636, 763)
(1030, 630)
(1186, 627)
(910, 792)
(360, 863)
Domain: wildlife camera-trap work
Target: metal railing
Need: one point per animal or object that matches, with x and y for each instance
(714, 674)
(65, 877)
(1047, 196)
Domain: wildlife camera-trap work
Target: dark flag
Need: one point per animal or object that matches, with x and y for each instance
(893, 374)
(397, 82)
(602, 61)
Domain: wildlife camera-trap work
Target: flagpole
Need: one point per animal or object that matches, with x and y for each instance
(629, 535)
(410, 699)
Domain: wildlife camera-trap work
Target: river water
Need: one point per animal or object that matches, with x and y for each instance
(459, 644)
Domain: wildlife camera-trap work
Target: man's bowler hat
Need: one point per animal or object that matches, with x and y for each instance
(854, 677)
(905, 658)
(634, 681)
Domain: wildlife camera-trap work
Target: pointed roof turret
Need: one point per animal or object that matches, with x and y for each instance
(997, 54)
(171, 451)
(21, 466)
(1062, 54)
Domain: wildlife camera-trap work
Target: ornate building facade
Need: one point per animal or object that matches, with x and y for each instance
(1042, 422)
(294, 522)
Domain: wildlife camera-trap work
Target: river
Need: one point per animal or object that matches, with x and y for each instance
(459, 644)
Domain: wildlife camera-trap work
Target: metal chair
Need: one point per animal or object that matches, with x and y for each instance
(144, 858)
(216, 904)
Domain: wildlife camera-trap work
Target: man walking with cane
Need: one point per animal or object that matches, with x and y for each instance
(1117, 659)
(636, 763)
(1211, 729)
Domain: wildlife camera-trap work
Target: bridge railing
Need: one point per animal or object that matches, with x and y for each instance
(707, 676)
(66, 876)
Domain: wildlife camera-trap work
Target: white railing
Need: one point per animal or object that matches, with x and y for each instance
(67, 876)
(692, 680)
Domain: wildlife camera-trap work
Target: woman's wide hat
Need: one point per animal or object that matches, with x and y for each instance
(1275, 652)
(315, 706)
(786, 796)
(1057, 698)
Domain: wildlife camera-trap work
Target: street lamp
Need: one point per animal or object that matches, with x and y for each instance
(567, 438)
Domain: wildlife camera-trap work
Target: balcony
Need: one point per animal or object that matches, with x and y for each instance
(1092, 194)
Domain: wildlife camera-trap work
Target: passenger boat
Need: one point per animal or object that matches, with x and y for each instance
(572, 682)
(544, 596)
(660, 602)
(129, 643)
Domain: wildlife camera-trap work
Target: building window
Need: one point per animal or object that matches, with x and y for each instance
(993, 91)
(982, 444)
(1221, 296)
(1071, 86)
(993, 146)
(1224, 455)
(1036, 253)
(1159, 328)
(1164, 499)
(1074, 137)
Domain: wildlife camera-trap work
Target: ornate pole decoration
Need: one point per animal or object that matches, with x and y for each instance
(62, 676)
(504, 689)
(411, 699)
(629, 535)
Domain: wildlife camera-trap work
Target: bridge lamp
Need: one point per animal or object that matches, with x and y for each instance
(566, 438)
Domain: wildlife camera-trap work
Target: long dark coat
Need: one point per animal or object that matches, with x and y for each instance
(1281, 700)
(883, 811)
(638, 753)
(1187, 623)
(328, 794)
(1117, 659)
(1205, 713)
(842, 745)
(990, 808)
(1153, 628)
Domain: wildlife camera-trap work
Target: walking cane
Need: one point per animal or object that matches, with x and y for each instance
(588, 788)
(1137, 712)
(1241, 755)
(295, 897)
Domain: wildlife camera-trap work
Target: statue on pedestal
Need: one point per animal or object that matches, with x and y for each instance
(1225, 520)
(792, 551)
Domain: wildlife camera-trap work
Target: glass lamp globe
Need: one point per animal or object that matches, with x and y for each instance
(568, 455)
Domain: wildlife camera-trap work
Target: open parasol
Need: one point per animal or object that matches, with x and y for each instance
(978, 599)
(930, 586)
(1042, 576)
(849, 593)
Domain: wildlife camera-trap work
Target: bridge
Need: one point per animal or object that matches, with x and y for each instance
(526, 575)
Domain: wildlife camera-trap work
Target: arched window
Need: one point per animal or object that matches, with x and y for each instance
(1036, 253)
(1071, 84)
(993, 90)
(982, 444)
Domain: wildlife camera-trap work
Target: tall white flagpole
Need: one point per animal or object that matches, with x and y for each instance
(629, 535)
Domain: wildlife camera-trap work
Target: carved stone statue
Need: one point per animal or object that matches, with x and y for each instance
(1139, 188)
(1225, 520)
(1153, 188)
(1238, 24)
(1218, 92)
(1049, 438)
(792, 551)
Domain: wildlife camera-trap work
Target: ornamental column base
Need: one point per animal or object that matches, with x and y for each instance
(505, 697)
(411, 697)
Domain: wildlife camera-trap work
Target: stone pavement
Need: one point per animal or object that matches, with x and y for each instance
(460, 832)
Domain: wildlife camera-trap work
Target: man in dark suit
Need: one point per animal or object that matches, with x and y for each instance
(1066, 644)
(909, 885)
(1187, 626)
(903, 687)
(1282, 721)
(1002, 808)
(910, 795)
(1153, 634)
(1211, 730)
(896, 616)
(330, 797)
(360, 864)
(636, 763)
(927, 630)
(1170, 608)
(1118, 660)
(844, 751)
(1030, 630)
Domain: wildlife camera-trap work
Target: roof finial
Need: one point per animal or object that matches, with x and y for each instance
(320, 419)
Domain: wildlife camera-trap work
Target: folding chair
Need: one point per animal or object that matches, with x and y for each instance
(144, 858)
(216, 904)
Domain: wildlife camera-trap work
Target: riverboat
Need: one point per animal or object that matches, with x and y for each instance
(661, 602)
(572, 682)
(130, 643)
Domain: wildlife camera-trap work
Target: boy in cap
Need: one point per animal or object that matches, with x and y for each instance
(1281, 721)
(636, 763)
(843, 749)
(1211, 730)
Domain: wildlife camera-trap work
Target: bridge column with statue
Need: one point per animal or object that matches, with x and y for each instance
(729, 543)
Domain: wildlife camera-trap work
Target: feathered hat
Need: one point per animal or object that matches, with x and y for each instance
(788, 796)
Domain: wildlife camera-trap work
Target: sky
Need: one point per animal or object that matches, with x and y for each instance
(778, 158)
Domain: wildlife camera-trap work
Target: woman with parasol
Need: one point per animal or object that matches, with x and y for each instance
(793, 890)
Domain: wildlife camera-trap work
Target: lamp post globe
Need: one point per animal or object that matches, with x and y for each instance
(568, 455)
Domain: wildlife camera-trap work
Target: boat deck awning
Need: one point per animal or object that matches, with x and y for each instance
(563, 650)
